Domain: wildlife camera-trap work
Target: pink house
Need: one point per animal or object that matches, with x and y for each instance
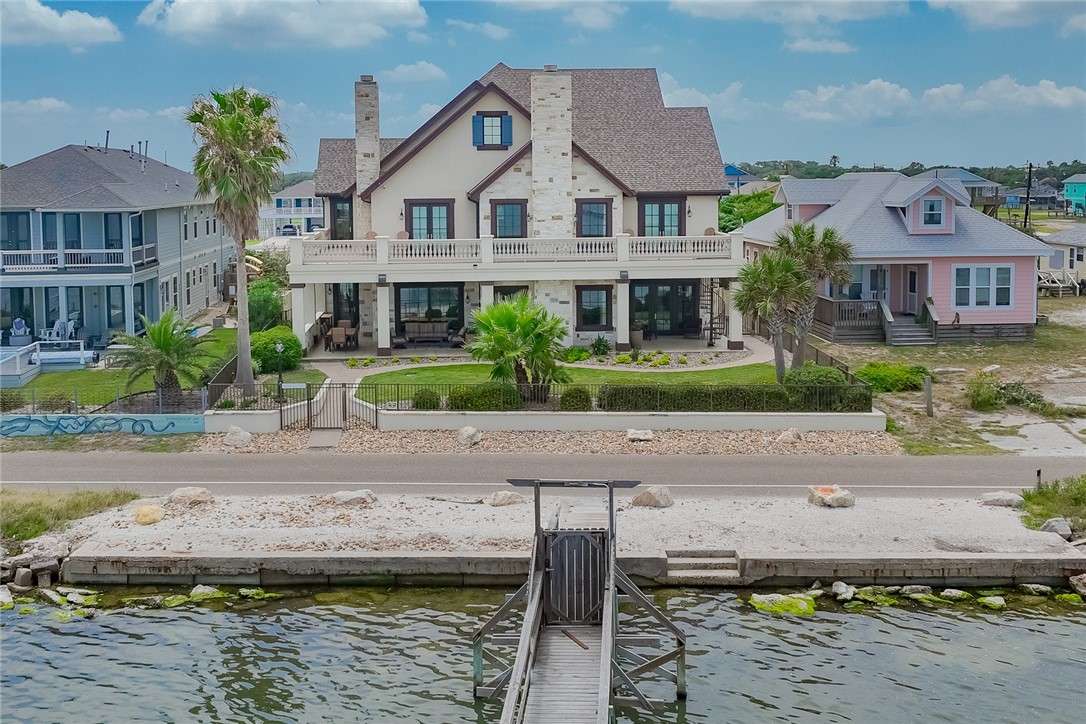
(929, 268)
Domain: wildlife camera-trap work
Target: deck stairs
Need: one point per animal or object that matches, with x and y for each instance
(1057, 284)
(702, 567)
(906, 332)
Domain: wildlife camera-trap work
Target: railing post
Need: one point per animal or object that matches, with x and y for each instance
(203, 399)
(486, 248)
(622, 247)
(297, 250)
(736, 245)
(382, 249)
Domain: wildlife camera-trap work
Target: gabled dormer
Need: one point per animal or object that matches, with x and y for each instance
(927, 206)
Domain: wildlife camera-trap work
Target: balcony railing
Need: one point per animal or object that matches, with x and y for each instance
(144, 254)
(83, 258)
(848, 312)
(29, 260)
(487, 250)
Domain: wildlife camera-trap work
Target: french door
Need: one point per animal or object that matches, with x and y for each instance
(430, 219)
(663, 308)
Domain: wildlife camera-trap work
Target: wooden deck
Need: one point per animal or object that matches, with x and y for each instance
(565, 677)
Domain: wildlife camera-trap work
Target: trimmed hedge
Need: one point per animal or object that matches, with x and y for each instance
(264, 354)
(733, 398)
(893, 377)
(426, 399)
(484, 398)
(575, 399)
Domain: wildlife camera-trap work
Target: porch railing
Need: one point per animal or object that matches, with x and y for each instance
(29, 260)
(408, 250)
(79, 258)
(848, 312)
(144, 254)
(690, 247)
(338, 252)
(602, 248)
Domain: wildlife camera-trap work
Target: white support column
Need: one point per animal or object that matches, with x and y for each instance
(486, 249)
(126, 239)
(622, 315)
(129, 310)
(302, 314)
(622, 247)
(381, 320)
(735, 319)
(486, 294)
(382, 250)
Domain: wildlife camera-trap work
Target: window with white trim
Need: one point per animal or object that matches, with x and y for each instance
(983, 287)
(932, 212)
(788, 212)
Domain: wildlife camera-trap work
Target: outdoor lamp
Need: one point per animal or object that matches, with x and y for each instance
(279, 354)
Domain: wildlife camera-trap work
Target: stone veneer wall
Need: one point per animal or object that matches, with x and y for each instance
(367, 141)
(552, 156)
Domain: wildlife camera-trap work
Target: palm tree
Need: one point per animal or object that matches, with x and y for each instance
(167, 351)
(241, 149)
(770, 286)
(523, 341)
(834, 160)
(825, 256)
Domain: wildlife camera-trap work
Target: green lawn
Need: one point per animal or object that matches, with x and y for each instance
(467, 374)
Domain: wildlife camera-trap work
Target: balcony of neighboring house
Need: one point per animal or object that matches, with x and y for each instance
(78, 243)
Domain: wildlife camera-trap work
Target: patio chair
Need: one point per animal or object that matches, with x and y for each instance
(344, 323)
(457, 340)
(339, 338)
(693, 329)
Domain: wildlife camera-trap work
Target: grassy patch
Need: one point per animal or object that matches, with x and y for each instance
(26, 514)
(945, 434)
(105, 442)
(1058, 499)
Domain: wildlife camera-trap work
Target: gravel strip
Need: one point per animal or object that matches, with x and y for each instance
(284, 441)
(666, 442)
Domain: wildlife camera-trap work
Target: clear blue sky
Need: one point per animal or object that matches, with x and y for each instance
(970, 83)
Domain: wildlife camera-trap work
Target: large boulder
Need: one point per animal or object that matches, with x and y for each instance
(237, 438)
(150, 514)
(500, 498)
(916, 590)
(1035, 589)
(469, 436)
(654, 496)
(795, 604)
(633, 435)
(1078, 584)
(1002, 499)
(996, 603)
(362, 497)
(955, 594)
(24, 577)
(842, 591)
(189, 496)
(790, 436)
(1059, 526)
(830, 496)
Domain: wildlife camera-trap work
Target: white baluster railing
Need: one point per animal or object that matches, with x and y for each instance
(682, 247)
(579, 249)
(338, 252)
(78, 258)
(412, 250)
(27, 260)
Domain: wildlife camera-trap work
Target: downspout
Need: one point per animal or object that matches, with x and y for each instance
(131, 249)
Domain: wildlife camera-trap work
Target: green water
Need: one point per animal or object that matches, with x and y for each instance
(404, 656)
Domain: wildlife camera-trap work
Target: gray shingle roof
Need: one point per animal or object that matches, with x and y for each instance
(968, 178)
(298, 190)
(907, 189)
(1075, 236)
(816, 191)
(876, 230)
(1078, 178)
(76, 177)
(335, 164)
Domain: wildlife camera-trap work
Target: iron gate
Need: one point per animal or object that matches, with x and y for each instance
(328, 406)
(575, 576)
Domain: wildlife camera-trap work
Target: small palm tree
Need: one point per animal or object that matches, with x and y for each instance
(241, 150)
(167, 351)
(770, 286)
(825, 256)
(523, 341)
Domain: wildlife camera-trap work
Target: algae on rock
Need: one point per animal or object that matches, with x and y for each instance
(796, 604)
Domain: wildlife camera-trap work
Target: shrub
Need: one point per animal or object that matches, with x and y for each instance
(575, 398)
(576, 354)
(984, 393)
(264, 354)
(55, 401)
(662, 361)
(433, 358)
(265, 304)
(248, 402)
(426, 399)
(1058, 499)
(415, 358)
(11, 399)
(226, 405)
(352, 362)
(486, 397)
(600, 345)
(601, 360)
(892, 377)
(682, 360)
(695, 398)
(812, 374)
(623, 359)
(395, 360)
(704, 361)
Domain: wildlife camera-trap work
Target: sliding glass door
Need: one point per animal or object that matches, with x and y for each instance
(664, 307)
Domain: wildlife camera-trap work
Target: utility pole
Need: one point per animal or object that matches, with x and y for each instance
(1029, 192)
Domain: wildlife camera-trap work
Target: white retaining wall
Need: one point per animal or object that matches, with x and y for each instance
(262, 420)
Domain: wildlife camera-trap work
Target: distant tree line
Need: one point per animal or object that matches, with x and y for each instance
(289, 179)
(1043, 172)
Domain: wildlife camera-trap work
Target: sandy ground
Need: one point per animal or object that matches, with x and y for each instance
(317, 523)
(1030, 435)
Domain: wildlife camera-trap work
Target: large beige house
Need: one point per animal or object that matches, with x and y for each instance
(579, 186)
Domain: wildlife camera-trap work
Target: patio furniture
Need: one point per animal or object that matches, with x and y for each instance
(418, 331)
(399, 342)
(339, 338)
(58, 333)
(693, 329)
(20, 334)
(352, 338)
(458, 339)
(345, 323)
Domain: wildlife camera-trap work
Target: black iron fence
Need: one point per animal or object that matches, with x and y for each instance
(618, 397)
(261, 396)
(758, 327)
(99, 399)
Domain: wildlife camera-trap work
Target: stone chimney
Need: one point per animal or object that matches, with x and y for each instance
(367, 149)
(552, 154)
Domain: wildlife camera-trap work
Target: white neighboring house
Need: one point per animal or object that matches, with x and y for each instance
(97, 236)
(578, 186)
(295, 205)
(1065, 269)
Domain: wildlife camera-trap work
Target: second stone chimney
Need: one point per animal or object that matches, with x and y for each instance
(367, 149)
(552, 155)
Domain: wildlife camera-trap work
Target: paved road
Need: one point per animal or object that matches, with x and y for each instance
(690, 475)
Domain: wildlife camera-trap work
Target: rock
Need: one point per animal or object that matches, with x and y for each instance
(500, 498)
(791, 435)
(177, 600)
(816, 585)
(830, 496)
(948, 370)
(1078, 584)
(816, 593)
(1067, 598)
(6, 599)
(23, 560)
(43, 579)
(143, 601)
(19, 589)
(796, 604)
(203, 593)
(257, 594)
(1002, 499)
(66, 590)
(654, 496)
(237, 438)
(6, 575)
(24, 578)
(76, 599)
(891, 589)
(45, 565)
(189, 496)
(996, 603)
(360, 498)
(150, 514)
(52, 596)
(876, 595)
(913, 590)
(1059, 526)
(926, 599)
(1035, 589)
(633, 435)
(469, 436)
(991, 368)
(954, 594)
(842, 591)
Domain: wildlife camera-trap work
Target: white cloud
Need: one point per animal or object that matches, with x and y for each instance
(1005, 95)
(281, 23)
(419, 72)
(588, 14)
(122, 115)
(176, 113)
(416, 37)
(728, 104)
(490, 30)
(823, 45)
(35, 105)
(28, 22)
(408, 123)
(876, 98)
(1069, 16)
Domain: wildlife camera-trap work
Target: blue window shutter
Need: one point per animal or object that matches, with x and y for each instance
(477, 130)
(507, 130)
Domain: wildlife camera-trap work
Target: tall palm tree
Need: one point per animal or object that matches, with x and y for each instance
(825, 256)
(241, 150)
(167, 351)
(770, 286)
(523, 341)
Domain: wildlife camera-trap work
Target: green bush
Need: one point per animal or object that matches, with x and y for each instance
(577, 354)
(483, 398)
(893, 377)
(11, 399)
(415, 359)
(264, 354)
(1058, 499)
(984, 392)
(575, 399)
(55, 401)
(265, 304)
(600, 345)
(426, 399)
(352, 362)
(661, 361)
(623, 359)
(682, 360)
(226, 405)
(814, 387)
(618, 397)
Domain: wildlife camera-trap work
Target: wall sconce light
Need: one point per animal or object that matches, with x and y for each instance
(382, 279)
(529, 216)
(689, 210)
(401, 214)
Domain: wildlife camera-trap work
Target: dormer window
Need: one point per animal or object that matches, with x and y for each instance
(933, 212)
(492, 131)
